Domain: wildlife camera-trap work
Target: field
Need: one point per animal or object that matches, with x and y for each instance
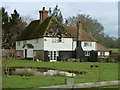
(114, 50)
(106, 72)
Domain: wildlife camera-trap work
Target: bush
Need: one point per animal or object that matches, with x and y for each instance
(73, 60)
(6, 62)
(39, 55)
(114, 57)
(64, 57)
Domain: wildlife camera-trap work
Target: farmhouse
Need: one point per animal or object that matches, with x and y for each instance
(46, 39)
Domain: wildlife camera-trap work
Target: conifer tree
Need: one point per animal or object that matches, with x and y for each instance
(5, 28)
(56, 13)
(11, 28)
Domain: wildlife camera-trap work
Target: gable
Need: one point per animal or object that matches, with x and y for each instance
(56, 30)
(50, 27)
(85, 36)
(28, 45)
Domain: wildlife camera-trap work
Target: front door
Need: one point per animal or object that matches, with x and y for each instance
(25, 53)
(53, 56)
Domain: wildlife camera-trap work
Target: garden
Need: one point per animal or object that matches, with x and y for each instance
(95, 72)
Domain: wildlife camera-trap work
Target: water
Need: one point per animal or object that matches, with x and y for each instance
(39, 72)
(43, 72)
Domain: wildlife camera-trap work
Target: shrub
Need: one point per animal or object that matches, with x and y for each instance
(114, 57)
(40, 55)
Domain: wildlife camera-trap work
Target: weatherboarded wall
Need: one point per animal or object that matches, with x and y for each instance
(85, 48)
(37, 43)
(50, 45)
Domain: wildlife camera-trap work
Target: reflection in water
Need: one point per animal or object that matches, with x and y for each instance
(39, 72)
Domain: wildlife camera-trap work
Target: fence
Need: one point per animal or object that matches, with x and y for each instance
(69, 84)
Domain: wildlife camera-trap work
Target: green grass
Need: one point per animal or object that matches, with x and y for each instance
(110, 73)
(115, 50)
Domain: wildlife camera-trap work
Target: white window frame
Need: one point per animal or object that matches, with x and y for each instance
(53, 55)
(87, 53)
(56, 40)
(18, 44)
(102, 53)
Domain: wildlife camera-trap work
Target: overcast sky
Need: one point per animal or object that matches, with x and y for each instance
(105, 12)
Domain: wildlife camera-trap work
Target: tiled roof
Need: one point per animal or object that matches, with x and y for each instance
(85, 36)
(37, 30)
(101, 48)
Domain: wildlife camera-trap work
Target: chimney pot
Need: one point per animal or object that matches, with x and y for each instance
(43, 14)
(43, 8)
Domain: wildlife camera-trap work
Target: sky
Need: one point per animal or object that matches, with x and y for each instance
(105, 12)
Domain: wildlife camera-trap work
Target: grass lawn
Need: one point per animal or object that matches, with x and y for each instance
(106, 71)
(115, 50)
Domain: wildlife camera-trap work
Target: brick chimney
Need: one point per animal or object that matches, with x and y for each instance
(43, 14)
(79, 30)
(79, 50)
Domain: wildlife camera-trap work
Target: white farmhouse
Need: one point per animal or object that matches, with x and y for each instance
(48, 40)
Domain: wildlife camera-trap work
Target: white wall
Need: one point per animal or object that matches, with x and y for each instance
(37, 46)
(98, 53)
(66, 45)
(85, 48)
(107, 53)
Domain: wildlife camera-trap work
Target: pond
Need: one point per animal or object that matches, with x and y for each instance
(42, 72)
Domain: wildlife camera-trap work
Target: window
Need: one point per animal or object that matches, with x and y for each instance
(87, 44)
(87, 53)
(36, 40)
(24, 42)
(60, 39)
(102, 53)
(18, 53)
(18, 44)
(50, 55)
(53, 40)
(57, 40)
(53, 55)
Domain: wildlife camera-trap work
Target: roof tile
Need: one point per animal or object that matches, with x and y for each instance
(85, 36)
